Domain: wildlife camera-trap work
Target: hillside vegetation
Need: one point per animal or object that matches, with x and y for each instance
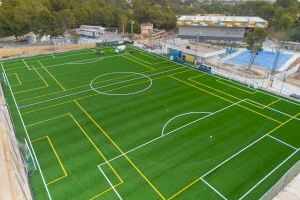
(54, 17)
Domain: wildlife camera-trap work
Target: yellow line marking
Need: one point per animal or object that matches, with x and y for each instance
(11, 69)
(230, 85)
(89, 84)
(105, 191)
(169, 75)
(272, 103)
(20, 83)
(90, 140)
(121, 151)
(253, 104)
(203, 74)
(153, 57)
(261, 114)
(37, 88)
(140, 59)
(88, 96)
(46, 120)
(149, 56)
(95, 146)
(225, 99)
(284, 123)
(159, 62)
(183, 189)
(57, 157)
(137, 62)
(51, 75)
(18, 79)
(45, 82)
(198, 179)
(200, 75)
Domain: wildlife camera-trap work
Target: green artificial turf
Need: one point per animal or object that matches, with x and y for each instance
(149, 127)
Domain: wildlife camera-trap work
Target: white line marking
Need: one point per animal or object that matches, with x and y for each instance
(168, 133)
(28, 138)
(47, 55)
(61, 55)
(122, 94)
(180, 115)
(266, 93)
(271, 172)
(30, 154)
(234, 155)
(282, 142)
(26, 64)
(240, 151)
(214, 189)
(3, 74)
(48, 100)
(273, 109)
(111, 185)
(81, 62)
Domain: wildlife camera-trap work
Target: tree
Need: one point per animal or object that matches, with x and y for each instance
(286, 3)
(136, 27)
(254, 43)
(282, 21)
(67, 18)
(47, 23)
(123, 21)
(294, 34)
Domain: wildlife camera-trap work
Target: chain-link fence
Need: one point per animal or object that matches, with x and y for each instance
(18, 164)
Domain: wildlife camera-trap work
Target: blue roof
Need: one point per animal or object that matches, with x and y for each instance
(264, 59)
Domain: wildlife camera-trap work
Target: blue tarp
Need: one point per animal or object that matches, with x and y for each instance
(264, 59)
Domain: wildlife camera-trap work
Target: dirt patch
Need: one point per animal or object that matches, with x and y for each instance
(294, 64)
(36, 50)
(254, 73)
(294, 79)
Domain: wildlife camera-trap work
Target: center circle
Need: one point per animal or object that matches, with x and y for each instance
(140, 76)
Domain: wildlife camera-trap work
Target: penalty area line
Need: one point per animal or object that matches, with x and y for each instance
(26, 64)
(111, 185)
(270, 173)
(280, 141)
(250, 145)
(168, 133)
(214, 189)
(28, 137)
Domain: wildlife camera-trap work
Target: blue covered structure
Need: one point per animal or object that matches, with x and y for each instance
(177, 56)
(264, 59)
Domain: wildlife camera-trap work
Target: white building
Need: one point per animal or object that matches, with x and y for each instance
(218, 27)
(90, 31)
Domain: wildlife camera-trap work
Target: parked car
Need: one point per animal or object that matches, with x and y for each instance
(296, 96)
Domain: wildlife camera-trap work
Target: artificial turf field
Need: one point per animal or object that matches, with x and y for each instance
(138, 126)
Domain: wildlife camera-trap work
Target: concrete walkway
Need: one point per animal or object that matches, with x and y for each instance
(291, 191)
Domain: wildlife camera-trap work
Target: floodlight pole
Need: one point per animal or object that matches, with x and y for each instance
(132, 22)
(198, 39)
(283, 81)
(275, 64)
